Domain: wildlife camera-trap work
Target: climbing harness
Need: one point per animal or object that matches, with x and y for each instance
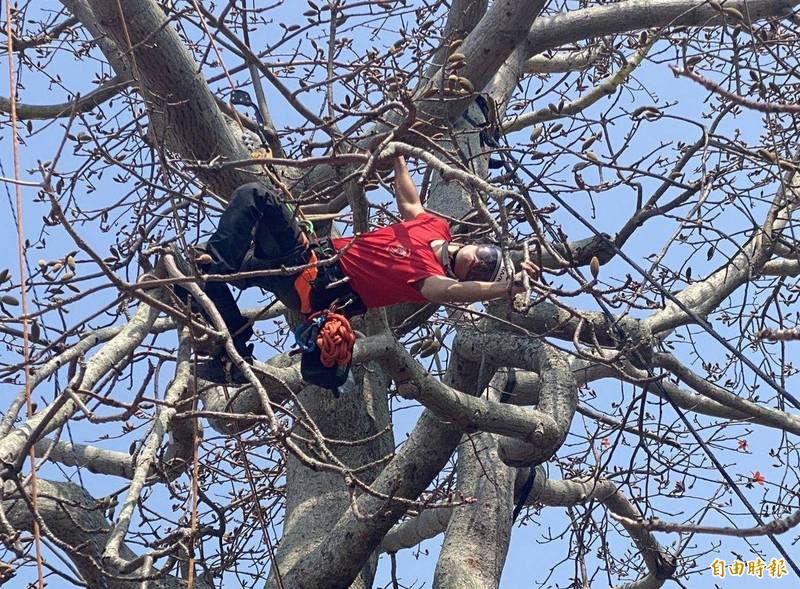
(325, 338)
(304, 283)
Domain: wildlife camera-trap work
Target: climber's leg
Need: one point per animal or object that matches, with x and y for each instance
(234, 235)
(255, 232)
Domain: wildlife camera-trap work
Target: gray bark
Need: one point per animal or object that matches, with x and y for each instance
(74, 519)
(316, 500)
(478, 534)
(418, 461)
(550, 32)
(476, 543)
(183, 110)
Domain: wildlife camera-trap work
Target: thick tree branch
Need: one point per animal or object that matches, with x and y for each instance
(703, 296)
(188, 120)
(77, 521)
(565, 60)
(550, 32)
(54, 415)
(96, 97)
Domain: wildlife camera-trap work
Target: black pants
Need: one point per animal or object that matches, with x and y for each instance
(256, 232)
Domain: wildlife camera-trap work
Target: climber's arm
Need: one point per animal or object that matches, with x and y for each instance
(440, 289)
(405, 191)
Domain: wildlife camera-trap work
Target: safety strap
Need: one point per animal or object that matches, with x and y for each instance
(444, 259)
(524, 493)
(304, 281)
(489, 131)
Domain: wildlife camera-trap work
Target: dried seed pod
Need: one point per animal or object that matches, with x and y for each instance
(430, 349)
(594, 267)
(591, 156)
(466, 85)
(731, 11)
(588, 143)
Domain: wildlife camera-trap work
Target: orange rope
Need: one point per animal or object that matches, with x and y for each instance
(12, 85)
(335, 340)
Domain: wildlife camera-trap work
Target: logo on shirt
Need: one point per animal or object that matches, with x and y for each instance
(399, 251)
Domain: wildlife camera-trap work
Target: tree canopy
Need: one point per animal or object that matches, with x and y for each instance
(631, 418)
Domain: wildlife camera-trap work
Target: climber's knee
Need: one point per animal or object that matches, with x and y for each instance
(252, 194)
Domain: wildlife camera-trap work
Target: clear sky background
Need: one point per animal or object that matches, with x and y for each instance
(529, 559)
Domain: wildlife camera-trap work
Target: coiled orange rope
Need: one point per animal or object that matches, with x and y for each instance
(335, 340)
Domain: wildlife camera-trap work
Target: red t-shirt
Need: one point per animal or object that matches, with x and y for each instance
(384, 265)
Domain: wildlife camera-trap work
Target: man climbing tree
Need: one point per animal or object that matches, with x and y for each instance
(410, 261)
